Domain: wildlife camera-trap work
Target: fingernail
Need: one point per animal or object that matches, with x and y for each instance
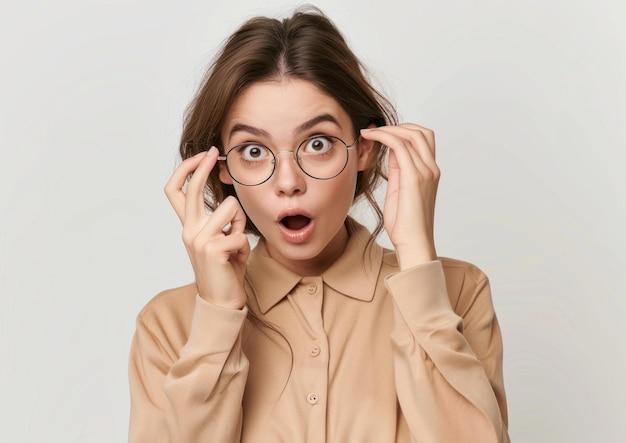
(212, 150)
(366, 129)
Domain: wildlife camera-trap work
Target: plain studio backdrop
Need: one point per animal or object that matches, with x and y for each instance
(527, 99)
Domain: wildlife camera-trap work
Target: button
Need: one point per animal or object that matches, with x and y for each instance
(312, 398)
(312, 288)
(315, 351)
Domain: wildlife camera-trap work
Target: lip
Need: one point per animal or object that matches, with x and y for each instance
(301, 235)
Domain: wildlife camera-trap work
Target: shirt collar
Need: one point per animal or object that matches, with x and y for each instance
(354, 274)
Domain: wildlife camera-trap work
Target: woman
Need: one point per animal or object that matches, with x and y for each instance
(318, 334)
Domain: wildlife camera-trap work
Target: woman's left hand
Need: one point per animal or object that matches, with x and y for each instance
(409, 211)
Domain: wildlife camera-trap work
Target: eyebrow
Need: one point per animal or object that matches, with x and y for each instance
(239, 127)
(316, 120)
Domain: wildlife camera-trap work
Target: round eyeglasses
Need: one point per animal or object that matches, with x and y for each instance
(321, 157)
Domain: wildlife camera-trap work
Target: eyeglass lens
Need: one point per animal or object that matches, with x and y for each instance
(322, 157)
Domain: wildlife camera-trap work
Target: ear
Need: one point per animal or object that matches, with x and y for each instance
(224, 175)
(365, 149)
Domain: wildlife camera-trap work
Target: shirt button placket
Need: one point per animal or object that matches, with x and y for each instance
(312, 398)
(315, 351)
(313, 356)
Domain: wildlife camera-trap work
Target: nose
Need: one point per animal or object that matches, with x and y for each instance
(288, 177)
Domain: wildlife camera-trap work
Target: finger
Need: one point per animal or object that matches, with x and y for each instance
(414, 141)
(229, 212)
(194, 194)
(174, 186)
(228, 219)
(428, 133)
(420, 142)
(238, 222)
(226, 248)
(389, 136)
(234, 242)
(393, 178)
(238, 245)
(420, 137)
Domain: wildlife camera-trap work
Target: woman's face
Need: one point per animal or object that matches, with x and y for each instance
(301, 218)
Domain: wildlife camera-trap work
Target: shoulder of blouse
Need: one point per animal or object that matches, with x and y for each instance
(171, 307)
(464, 280)
(450, 265)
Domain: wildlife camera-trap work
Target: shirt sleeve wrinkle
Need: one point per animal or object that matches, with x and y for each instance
(155, 353)
(196, 396)
(424, 314)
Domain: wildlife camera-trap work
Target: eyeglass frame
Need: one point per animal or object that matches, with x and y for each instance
(295, 155)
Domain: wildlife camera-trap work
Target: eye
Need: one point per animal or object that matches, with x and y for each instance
(252, 152)
(320, 144)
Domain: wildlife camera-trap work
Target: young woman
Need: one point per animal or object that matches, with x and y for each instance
(318, 334)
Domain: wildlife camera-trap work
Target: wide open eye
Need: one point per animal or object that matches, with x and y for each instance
(320, 144)
(252, 152)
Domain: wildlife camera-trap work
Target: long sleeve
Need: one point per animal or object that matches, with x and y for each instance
(448, 365)
(187, 391)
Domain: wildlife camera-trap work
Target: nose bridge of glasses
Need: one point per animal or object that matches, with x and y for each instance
(294, 156)
(292, 151)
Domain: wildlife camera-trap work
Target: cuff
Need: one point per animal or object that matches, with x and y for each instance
(214, 328)
(420, 292)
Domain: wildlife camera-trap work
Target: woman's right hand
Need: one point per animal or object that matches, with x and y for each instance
(218, 256)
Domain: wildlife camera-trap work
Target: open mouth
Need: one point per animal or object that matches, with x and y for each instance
(295, 222)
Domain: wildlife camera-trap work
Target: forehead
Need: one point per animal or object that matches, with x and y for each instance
(280, 107)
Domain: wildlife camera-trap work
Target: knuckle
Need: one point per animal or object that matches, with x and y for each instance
(198, 243)
(241, 238)
(230, 201)
(207, 248)
(187, 238)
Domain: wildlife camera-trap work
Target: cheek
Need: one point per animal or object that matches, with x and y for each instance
(341, 192)
(349, 179)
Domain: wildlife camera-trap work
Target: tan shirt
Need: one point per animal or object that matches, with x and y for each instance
(362, 353)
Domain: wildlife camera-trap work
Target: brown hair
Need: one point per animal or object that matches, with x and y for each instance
(306, 46)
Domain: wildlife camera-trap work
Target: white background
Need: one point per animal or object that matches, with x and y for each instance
(528, 100)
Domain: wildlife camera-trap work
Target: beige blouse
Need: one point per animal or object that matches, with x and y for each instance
(362, 353)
